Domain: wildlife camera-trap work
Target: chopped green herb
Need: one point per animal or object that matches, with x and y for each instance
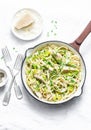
(52, 21)
(55, 26)
(55, 34)
(48, 34)
(2, 57)
(51, 30)
(13, 48)
(56, 22)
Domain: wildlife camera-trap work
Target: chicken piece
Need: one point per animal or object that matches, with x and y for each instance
(47, 66)
(39, 78)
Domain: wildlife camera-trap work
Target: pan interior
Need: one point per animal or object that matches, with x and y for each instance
(58, 43)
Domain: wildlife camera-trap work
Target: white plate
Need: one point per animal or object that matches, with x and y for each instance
(28, 33)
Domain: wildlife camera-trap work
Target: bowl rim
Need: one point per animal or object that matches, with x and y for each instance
(5, 79)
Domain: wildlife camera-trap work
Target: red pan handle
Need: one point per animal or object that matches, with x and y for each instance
(76, 44)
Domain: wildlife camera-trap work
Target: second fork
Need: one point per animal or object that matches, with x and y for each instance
(17, 67)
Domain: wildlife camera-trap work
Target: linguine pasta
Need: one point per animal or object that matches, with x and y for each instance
(53, 73)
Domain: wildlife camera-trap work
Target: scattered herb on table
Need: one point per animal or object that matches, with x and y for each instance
(53, 29)
(1, 57)
(15, 49)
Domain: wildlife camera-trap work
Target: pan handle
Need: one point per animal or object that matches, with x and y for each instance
(76, 44)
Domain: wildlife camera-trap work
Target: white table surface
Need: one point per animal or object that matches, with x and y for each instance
(28, 113)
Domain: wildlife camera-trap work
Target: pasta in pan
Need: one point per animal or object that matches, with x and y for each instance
(53, 73)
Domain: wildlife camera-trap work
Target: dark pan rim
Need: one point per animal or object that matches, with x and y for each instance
(64, 101)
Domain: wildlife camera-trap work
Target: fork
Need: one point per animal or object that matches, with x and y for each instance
(16, 69)
(7, 59)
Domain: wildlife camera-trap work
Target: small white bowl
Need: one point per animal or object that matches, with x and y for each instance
(4, 79)
(32, 32)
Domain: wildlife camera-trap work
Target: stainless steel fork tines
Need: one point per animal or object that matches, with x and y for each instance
(8, 62)
(6, 54)
(16, 69)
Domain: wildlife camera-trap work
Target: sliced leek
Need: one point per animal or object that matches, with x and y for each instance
(53, 72)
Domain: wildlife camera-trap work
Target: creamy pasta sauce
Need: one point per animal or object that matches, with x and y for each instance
(53, 73)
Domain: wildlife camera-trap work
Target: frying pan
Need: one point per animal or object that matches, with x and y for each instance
(74, 46)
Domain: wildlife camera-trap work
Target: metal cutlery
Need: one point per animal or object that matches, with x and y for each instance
(8, 60)
(16, 69)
